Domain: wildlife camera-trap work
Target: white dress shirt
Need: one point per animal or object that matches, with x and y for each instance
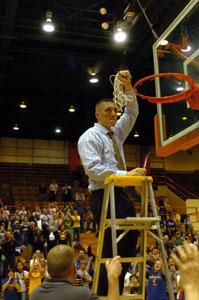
(96, 148)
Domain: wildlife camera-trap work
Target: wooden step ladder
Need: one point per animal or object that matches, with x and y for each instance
(143, 223)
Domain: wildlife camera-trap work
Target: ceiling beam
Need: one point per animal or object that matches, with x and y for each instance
(9, 23)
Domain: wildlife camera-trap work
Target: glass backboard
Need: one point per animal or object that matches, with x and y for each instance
(176, 124)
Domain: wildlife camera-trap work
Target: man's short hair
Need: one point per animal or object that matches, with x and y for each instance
(60, 261)
(98, 104)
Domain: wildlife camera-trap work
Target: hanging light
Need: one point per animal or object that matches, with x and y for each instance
(180, 89)
(57, 130)
(164, 42)
(105, 25)
(187, 49)
(48, 25)
(93, 79)
(15, 127)
(184, 118)
(103, 11)
(136, 134)
(120, 35)
(23, 105)
(71, 109)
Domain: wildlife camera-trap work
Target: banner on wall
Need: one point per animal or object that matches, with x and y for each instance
(72, 156)
(144, 154)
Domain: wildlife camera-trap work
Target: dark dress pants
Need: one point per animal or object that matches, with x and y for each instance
(126, 246)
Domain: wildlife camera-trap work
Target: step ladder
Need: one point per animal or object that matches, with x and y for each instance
(143, 223)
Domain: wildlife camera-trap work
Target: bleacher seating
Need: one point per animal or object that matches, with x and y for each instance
(34, 174)
(29, 194)
(25, 179)
(189, 180)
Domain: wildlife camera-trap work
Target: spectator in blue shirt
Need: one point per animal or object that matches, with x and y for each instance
(16, 230)
(171, 227)
(11, 286)
(157, 283)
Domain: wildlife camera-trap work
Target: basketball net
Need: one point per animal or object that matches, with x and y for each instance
(119, 97)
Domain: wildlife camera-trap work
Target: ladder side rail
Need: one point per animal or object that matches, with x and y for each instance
(101, 238)
(113, 219)
(155, 213)
(143, 236)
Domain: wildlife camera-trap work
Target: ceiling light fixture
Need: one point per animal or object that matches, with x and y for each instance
(119, 113)
(23, 105)
(180, 89)
(103, 11)
(71, 109)
(15, 127)
(136, 134)
(184, 118)
(187, 49)
(93, 79)
(105, 25)
(164, 42)
(58, 130)
(48, 25)
(120, 35)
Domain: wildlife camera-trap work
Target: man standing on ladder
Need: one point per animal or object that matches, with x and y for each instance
(102, 155)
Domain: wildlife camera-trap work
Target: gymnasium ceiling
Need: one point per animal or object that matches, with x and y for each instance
(51, 71)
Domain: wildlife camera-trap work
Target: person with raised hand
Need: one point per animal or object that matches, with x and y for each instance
(102, 155)
(63, 271)
(187, 262)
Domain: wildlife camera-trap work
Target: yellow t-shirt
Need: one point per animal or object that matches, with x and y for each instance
(34, 281)
(76, 221)
(177, 219)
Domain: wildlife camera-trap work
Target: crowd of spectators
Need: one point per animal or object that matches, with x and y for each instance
(177, 229)
(36, 231)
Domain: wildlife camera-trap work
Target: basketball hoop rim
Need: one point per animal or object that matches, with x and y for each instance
(171, 98)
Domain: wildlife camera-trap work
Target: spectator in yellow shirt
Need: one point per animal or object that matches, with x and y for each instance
(177, 219)
(35, 275)
(76, 226)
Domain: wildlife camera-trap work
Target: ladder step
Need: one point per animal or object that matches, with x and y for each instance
(132, 225)
(138, 220)
(127, 180)
(123, 259)
(137, 227)
(133, 296)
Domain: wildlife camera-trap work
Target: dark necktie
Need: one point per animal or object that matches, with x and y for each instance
(117, 151)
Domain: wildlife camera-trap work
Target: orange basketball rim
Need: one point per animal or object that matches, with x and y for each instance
(191, 94)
